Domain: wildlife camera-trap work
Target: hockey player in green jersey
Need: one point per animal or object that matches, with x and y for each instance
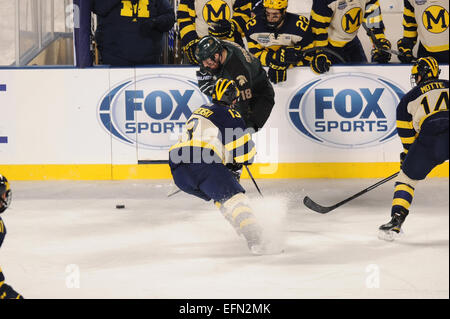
(224, 19)
(422, 125)
(426, 21)
(6, 291)
(225, 59)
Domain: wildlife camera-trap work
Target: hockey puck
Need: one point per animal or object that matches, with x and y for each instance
(120, 206)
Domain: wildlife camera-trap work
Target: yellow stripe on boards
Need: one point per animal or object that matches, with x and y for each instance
(162, 171)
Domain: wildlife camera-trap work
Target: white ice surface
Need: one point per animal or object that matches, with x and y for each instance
(183, 248)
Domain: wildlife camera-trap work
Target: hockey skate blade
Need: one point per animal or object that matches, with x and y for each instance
(389, 235)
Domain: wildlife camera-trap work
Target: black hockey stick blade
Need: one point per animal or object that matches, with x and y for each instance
(324, 209)
(316, 207)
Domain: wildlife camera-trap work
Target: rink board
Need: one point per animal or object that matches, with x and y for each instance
(100, 123)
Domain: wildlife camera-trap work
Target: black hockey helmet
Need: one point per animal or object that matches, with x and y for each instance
(427, 68)
(225, 92)
(5, 193)
(207, 47)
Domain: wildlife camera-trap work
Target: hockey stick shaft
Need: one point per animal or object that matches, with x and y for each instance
(375, 42)
(253, 180)
(325, 209)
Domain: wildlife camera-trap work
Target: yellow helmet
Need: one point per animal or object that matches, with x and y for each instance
(276, 4)
(225, 91)
(427, 68)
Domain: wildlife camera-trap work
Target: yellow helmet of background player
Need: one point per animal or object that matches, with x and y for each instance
(276, 4)
(225, 92)
(427, 68)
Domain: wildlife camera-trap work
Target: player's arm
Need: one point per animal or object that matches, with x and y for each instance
(186, 21)
(374, 19)
(166, 17)
(405, 128)
(295, 53)
(103, 7)
(242, 10)
(205, 81)
(406, 44)
(239, 143)
(409, 22)
(257, 50)
(321, 16)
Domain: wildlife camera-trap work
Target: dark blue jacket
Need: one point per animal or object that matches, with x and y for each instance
(130, 34)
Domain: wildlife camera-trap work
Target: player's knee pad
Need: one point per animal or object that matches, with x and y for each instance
(403, 178)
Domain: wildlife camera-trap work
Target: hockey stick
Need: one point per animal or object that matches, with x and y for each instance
(326, 209)
(375, 42)
(328, 50)
(254, 182)
(173, 193)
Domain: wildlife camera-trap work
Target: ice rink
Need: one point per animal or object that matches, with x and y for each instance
(66, 239)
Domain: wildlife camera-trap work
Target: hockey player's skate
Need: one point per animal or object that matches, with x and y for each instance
(393, 229)
(259, 244)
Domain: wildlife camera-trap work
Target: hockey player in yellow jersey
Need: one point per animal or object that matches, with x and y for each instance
(223, 19)
(422, 125)
(425, 21)
(335, 24)
(203, 163)
(278, 38)
(6, 291)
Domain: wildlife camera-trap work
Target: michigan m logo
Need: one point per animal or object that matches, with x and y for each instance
(351, 20)
(215, 10)
(435, 19)
(128, 10)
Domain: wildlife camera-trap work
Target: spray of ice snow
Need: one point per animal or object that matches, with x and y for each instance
(271, 213)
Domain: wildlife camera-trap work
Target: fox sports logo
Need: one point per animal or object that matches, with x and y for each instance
(150, 111)
(347, 110)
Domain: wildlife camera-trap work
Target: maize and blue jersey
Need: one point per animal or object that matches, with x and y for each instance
(263, 40)
(337, 22)
(194, 17)
(422, 125)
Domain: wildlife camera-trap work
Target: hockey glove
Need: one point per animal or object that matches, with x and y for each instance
(222, 29)
(379, 54)
(205, 82)
(320, 63)
(235, 169)
(277, 57)
(293, 55)
(277, 73)
(189, 51)
(405, 47)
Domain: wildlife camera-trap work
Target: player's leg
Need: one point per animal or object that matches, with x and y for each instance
(187, 177)
(428, 151)
(230, 198)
